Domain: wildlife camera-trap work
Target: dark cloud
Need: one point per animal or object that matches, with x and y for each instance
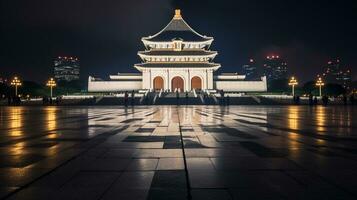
(106, 34)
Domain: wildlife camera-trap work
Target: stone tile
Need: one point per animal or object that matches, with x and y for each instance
(164, 194)
(239, 152)
(127, 194)
(5, 191)
(142, 164)
(207, 179)
(174, 179)
(158, 153)
(134, 180)
(210, 194)
(16, 177)
(106, 164)
(254, 194)
(87, 185)
(171, 164)
(199, 164)
(18, 161)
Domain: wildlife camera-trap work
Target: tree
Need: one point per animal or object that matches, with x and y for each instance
(69, 87)
(4, 90)
(280, 85)
(333, 89)
(33, 89)
(310, 88)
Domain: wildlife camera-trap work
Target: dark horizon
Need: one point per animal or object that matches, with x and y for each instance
(106, 35)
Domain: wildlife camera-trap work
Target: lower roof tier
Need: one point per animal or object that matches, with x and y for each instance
(199, 52)
(178, 65)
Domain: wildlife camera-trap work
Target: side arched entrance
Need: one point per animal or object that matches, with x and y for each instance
(196, 83)
(158, 83)
(177, 83)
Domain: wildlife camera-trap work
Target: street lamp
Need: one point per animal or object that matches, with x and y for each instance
(320, 83)
(292, 83)
(51, 83)
(16, 82)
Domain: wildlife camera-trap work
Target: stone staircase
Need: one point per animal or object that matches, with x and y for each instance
(170, 98)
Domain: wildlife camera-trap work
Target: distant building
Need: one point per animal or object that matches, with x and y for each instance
(250, 70)
(66, 68)
(334, 73)
(275, 68)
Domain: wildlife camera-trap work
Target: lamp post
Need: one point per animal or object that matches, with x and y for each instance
(292, 83)
(320, 83)
(51, 83)
(16, 82)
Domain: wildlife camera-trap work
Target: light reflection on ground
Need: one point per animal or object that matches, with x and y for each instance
(237, 152)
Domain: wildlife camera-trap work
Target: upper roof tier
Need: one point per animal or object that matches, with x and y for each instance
(178, 53)
(177, 29)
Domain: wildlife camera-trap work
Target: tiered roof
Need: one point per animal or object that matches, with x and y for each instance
(177, 46)
(179, 65)
(200, 52)
(177, 29)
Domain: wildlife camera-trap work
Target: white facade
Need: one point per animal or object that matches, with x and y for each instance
(242, 86)
(177, 58)
(167, 74)
(95, 85)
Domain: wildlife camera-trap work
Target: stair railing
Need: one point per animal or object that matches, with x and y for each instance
(143, 97)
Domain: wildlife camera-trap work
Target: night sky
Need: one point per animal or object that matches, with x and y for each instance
(106, 34)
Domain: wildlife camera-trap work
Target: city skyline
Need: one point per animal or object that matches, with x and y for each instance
(30, 44)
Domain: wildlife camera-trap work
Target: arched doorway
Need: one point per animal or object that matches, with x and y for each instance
(196, 83)
(158, 83)
(177, 83)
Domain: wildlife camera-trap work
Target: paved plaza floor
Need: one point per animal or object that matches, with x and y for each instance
(237, 152)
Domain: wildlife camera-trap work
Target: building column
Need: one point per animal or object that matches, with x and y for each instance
(151, 80)
(145, 79)
(168, 85)
(206, 82)
(188, 78)
(210, 79)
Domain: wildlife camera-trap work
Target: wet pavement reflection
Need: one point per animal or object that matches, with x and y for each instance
(237, 152)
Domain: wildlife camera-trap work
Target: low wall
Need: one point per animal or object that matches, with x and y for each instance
(241, 86)
(113, 86)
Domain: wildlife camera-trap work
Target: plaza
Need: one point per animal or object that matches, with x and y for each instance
(235, 152)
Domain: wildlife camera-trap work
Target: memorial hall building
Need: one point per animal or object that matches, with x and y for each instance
(177, 59)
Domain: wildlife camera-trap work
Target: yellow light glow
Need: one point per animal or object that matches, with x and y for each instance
(51, 118)
(293, 81)
(319, 82)
(320, 119)
(177, 14)
(51, 83)
(16, 122)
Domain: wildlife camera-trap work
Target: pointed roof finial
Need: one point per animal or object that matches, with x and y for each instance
(177, 14)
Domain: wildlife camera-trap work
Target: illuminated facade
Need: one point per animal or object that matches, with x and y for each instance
(176, 59)
(250, 70)
(66, 69)
(335, 74)
(275, 68)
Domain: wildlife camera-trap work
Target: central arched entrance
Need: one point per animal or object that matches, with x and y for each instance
(196, 83)
(158, 83)
(177, 83)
